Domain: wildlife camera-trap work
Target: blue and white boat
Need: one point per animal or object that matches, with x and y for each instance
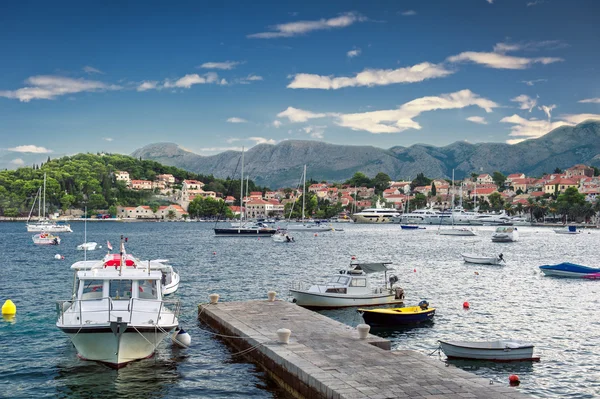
(411, 227)
(567, 269)
(568, 230)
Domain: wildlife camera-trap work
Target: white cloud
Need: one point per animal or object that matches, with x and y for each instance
(547, 109)
(501, 61)
(262, 140)
(353, 53)
(525, 102)
(498, 59)
(532, 82)
(193, 79)
(316, 132)
(226, 65)
(147, 85)
(215, 150)
(91, 70)
(578, 118)
(254, 77)
(248, 79)
(301, 27)
(591, 100)
(490, 1)
(109, 139)
(296, 115)
(371, 77)
(34, 149)
(48, 87)
(18, 161)
(409, 13)
(398, 120)
(277, 124)
(534, 128)
(477, 119)
(534, 3)
(237, 120)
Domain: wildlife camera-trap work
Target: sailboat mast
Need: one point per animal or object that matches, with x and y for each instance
(303, 191)
(39, 199)
(452, 211)
(247, 181)
(85, 234)
(44, 195)
(242, 189)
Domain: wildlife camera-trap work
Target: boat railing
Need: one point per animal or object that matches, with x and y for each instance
(174, 308)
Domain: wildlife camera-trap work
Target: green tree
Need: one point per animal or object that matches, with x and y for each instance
(498, 179)
(419, 201)
(381, 181)
(359, 180)
(420, 180)
(433, 189)
(97, 201)
(496, 201)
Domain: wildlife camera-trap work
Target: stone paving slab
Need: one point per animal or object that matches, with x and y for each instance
(325, 358)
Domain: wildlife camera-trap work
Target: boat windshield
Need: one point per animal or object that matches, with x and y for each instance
(120, 289)
(92, 289)
(147, 289)
(340, 280)
(358, 282)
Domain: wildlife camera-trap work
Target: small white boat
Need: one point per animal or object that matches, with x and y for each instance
(87, 246)
(505, 234)
(351, 287)
(43, 224)
(312, 227)
(483, 260)
(118, 314)
(567, 230)
(282, 236)
(462, 231)
(46, 239)
(500, 351)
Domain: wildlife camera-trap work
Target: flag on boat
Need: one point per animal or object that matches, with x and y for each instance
(108, 245)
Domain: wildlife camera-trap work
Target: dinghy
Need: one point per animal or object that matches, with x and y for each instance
(497, 351)
(483, 260)
(388, 317)
(567, 269)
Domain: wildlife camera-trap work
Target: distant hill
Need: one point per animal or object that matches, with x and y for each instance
(280, 165)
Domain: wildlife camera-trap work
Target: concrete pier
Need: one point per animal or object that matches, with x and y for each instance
(326, 359)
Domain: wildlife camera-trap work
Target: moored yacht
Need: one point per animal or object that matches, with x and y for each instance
(117, 314)
(376, 215)
(418, 216)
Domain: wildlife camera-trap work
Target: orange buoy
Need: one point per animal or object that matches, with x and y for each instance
(513, 379)
(316, 235)
(466, 305)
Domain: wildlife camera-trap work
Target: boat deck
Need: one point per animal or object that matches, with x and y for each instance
(326, 359)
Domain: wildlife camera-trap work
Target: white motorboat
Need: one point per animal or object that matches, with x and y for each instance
(483, 260)
(500, 350)
(351, 287)
(87, 246)
(567, 230)
(282, 236)
(520, 221)
(376, 215)
(491, 219)
(46, 239)
(43, 224)
(419, 216)
(505, 234)
(311, 227)
(117, 314)
(457, 231)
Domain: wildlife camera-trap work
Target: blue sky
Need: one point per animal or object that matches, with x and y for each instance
(210, 76)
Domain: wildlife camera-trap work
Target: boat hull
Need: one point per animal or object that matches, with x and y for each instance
(570, 270)
(100, 344)
(456, 232)
(233, 232)
(411, 227)
(481, 260)
(459, 350)
(314, 229)
(360, 219)
(49, 228)
(398, 316)
(323, 300)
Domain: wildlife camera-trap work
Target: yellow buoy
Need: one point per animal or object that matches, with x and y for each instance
(9, 308)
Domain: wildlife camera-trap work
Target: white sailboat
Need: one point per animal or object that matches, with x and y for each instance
(313, 227)
(86, 246)
(43, 224)
(455, 231)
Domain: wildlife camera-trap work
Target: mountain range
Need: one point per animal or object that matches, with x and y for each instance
(280, 165)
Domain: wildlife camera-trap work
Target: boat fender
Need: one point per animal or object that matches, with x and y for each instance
(423, 305)
(182, 339)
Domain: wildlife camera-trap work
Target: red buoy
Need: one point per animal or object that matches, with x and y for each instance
(513, 379)
(414, 270)
(214, 253)
(466, 305)
(354, 257)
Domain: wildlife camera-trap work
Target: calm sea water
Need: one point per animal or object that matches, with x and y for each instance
(560, 316)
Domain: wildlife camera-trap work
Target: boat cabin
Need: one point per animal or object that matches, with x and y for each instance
(355, 280)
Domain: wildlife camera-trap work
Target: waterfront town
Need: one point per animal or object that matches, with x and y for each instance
(515, 194)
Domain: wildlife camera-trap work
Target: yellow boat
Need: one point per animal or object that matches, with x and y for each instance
(394, 316)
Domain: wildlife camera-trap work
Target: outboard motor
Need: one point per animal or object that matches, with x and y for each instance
(423, 305)
(399, 293)
(393, 280)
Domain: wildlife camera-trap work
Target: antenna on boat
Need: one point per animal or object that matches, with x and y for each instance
(122, 252)
(85, 234)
